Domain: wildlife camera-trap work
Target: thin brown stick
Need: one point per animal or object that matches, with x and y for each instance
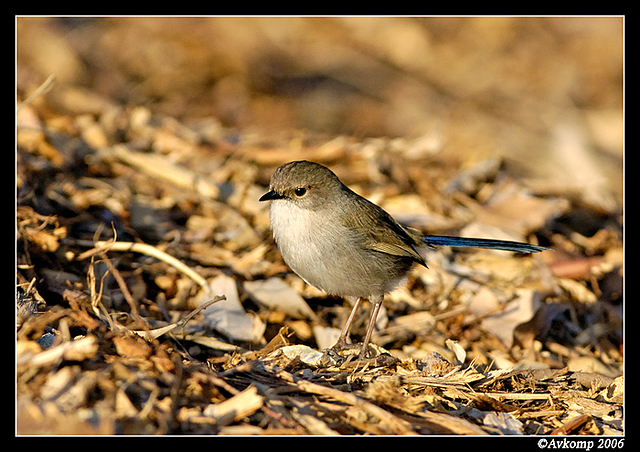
(142, 248)
(157, 332)
(44, 88)
(123, 287)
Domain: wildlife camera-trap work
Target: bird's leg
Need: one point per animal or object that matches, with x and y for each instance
(342, 340)
(377, 303)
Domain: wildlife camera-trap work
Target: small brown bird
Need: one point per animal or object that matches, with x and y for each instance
(339, 242)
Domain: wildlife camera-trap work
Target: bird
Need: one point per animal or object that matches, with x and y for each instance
(347, 246)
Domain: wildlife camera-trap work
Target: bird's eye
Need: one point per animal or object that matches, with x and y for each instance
(300, 191)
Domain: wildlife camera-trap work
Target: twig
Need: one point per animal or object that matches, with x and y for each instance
(42, 89)
(96, 295)
(123, 287)
(199, 309)
(142, 248)
(157, 332)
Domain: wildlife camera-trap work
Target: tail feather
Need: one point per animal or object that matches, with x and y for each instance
(506, 245)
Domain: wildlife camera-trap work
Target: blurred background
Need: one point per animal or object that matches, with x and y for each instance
(545, 94)
(163, 131)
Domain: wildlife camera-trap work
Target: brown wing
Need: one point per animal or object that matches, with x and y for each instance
(382, 232)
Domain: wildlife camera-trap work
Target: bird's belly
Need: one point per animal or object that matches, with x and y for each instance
(332, 258)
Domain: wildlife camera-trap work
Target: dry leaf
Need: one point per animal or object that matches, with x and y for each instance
(132, 347)
(277, 295)
(228, 316)
(515, 312)
(506, 423)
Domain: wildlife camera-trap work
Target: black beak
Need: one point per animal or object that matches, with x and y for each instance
(268, 196)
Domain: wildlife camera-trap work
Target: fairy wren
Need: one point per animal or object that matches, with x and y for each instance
(340, 242)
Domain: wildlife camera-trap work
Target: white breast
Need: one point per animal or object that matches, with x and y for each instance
(306, 247)
(327, 254)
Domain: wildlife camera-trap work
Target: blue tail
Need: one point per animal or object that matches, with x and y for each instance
(506, 245)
